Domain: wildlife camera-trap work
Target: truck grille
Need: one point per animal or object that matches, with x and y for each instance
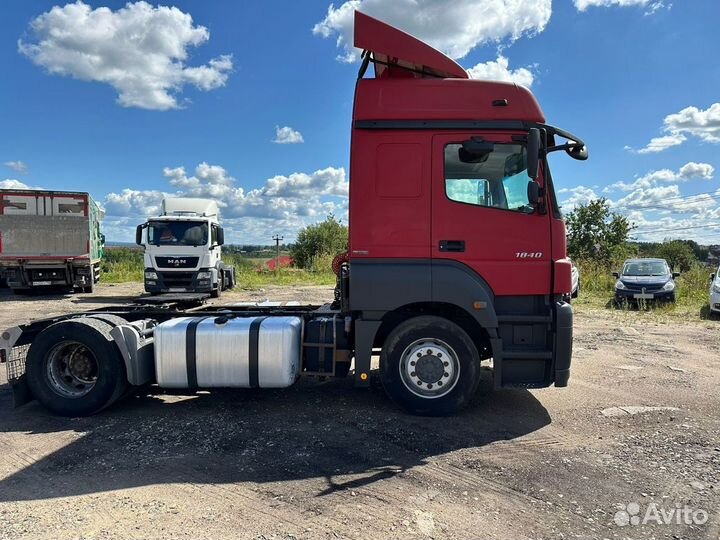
(176, 262)
(177, 279)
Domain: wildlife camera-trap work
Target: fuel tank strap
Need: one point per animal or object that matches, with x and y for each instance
(191, 352)
(253, 352)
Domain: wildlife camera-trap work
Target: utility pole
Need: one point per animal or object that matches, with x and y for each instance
(277, 239)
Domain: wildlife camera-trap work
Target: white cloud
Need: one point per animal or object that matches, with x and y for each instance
(283, 204)
(452, 26)
(17, 166)
(652, 5)
(703, 124)
(578, 195)
(287, 135)
(499, 70)
(690, 170)
(659, 144)
(11, 183)
(140, 50)
(696, 170)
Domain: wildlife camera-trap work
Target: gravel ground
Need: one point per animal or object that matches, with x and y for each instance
(636, 430)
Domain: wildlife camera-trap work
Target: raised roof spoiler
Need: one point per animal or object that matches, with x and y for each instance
(396, 54)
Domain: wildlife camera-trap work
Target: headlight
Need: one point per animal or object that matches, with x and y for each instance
(669, 286)
(151, 275)
(620, 285)
(716, 287)
(204, 275)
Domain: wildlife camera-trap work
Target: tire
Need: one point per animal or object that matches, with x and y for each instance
(231, 278)
(216, 293)
(459, 375)
(91, 287)
(90, 338)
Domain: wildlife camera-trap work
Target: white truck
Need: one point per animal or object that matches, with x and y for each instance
(183, 249)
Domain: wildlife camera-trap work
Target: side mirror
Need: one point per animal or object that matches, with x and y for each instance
(577, 152)
(220, 236)
(712, 277)
(533, 194)
(616, 275)
(533, 152)
(102, 239)
(138, 235)
(675, 275)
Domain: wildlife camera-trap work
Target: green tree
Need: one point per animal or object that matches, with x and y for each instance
(596, 233)
(320, 241)
(678, 253)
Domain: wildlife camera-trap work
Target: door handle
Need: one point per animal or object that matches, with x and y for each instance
(452, 245)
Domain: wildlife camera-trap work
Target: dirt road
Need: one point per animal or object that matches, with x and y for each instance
(321, 460)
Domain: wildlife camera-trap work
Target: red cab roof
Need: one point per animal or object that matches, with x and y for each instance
(394, 48)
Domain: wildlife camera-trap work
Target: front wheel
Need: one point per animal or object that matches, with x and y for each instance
(216, 293)
(430, 366)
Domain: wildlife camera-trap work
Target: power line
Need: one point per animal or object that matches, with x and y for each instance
(679, 228)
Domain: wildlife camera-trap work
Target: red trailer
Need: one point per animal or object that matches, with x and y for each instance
(457, 256)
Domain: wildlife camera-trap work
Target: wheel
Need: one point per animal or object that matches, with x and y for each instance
(91, 287)
(74, 367)
(430, 366)
(231, 278)
(216, 293)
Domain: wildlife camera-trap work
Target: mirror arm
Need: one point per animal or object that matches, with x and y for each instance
(566, 146)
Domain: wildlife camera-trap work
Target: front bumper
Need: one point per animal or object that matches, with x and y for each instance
(630, 295)
(715, 302)
(180, 281)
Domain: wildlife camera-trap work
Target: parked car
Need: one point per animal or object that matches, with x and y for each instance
(575, 290)
(575, 281)
(715, 291)
(645, 280)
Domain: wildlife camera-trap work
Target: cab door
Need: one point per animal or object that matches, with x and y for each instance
(481, 216)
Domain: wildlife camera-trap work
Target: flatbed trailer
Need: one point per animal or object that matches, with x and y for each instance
(457, 255)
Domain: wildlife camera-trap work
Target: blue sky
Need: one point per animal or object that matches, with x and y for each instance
(193, 108)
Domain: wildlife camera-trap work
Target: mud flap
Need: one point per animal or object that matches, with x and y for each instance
(563, 342)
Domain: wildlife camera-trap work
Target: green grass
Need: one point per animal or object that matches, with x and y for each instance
(122, 265)
(597, 290)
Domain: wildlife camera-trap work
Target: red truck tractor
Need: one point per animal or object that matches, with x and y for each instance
(457, 255)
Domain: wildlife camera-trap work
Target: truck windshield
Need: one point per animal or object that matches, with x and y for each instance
(497, 179)
(177, 233)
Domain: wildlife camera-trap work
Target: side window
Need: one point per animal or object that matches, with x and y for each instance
(495, 177)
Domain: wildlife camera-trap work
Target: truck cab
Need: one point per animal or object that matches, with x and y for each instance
(183, 249)
(453, 215)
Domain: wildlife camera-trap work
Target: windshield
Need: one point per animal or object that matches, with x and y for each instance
(496, 178)
(177, 233)
(645, 268)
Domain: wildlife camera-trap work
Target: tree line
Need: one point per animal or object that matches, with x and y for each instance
(596, 233)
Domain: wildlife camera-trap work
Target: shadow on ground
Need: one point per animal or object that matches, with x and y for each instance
(312, 430)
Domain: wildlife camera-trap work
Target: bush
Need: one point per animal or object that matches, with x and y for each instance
(317, 244)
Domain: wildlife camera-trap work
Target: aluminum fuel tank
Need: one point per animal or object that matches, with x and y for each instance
(242, 352)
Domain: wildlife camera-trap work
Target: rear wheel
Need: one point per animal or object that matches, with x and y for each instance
(91, 282)
(430, 366)
(74, 367)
